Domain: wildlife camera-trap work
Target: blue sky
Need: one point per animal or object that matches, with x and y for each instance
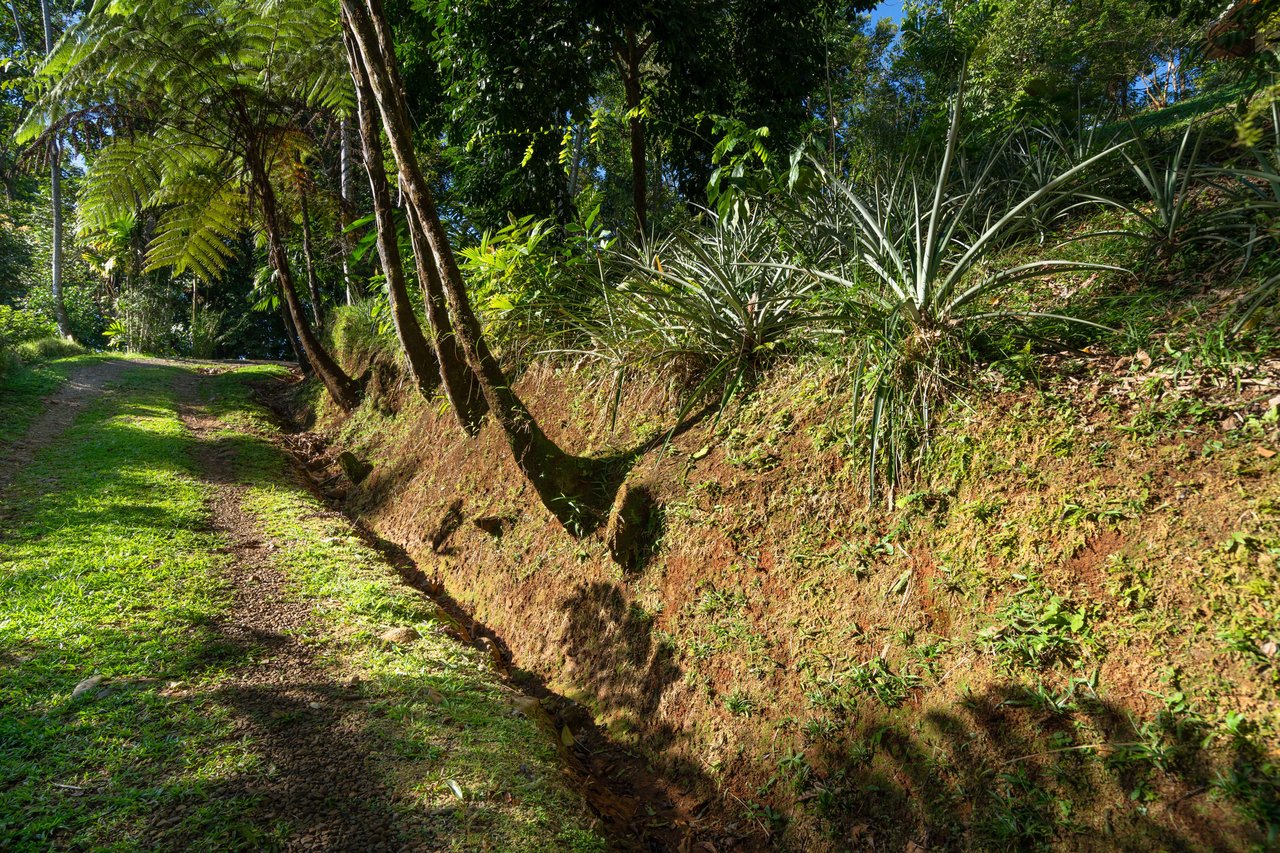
(888, 9)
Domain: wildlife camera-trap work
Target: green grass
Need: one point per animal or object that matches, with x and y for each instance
(111, 572)
(22, 387)
(450, 727)
(112, 569)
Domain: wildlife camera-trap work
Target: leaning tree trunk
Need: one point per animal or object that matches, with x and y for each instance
(560, 479)
(342, 388)
(424, 365)
(55, 197)
(459, 382)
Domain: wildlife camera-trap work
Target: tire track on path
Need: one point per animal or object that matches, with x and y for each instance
(308, 727)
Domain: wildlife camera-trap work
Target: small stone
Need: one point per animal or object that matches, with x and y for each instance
(399, 636)
(89, 684)
(1269, 648)
(316, 706)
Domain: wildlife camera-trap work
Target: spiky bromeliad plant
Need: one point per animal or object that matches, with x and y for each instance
(1255, 193)
(702, 308)
(921, 277)
(1166, 216)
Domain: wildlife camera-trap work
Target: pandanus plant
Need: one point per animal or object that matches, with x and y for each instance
(919, 266)
(700, 307)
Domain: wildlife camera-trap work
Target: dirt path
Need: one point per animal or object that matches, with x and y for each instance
(306, 725)
(319, 787)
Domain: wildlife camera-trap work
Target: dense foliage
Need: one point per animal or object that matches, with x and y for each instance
(691, 190)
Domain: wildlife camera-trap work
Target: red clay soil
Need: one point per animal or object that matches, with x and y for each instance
(641, 810)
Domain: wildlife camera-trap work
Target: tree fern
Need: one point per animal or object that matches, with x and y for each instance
(186, 90)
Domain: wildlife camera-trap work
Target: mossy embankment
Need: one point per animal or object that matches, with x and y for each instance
(1062, 632)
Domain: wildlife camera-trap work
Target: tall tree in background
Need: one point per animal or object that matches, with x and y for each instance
(1038, 60)
(220, 96)
(500, 82)
(55, 191)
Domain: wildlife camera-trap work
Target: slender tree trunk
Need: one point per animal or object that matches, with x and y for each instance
(342, 388)
(460, 384)
(345, 191)
(559, 478)
(424, 365)
(292, 334)
(22, 40)
(55, 195)
(313, 287)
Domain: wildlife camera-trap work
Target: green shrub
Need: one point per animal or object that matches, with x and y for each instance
(528, 279)
(44, 349)
(18, 325)
(362, 332)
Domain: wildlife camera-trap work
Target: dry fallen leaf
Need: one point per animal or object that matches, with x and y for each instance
(1264, 452)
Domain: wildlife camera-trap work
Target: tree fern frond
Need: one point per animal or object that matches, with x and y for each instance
(197, 233)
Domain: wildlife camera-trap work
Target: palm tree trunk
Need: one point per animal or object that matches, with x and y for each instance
(559, 478)
(55, 196)
(344, 390)
(459, 382)
(424, 364)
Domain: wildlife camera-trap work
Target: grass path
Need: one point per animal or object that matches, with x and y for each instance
(223, 629)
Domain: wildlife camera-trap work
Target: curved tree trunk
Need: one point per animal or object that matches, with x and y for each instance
(560, 479)
(344, 390)
(459, 382)
(424, 365)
